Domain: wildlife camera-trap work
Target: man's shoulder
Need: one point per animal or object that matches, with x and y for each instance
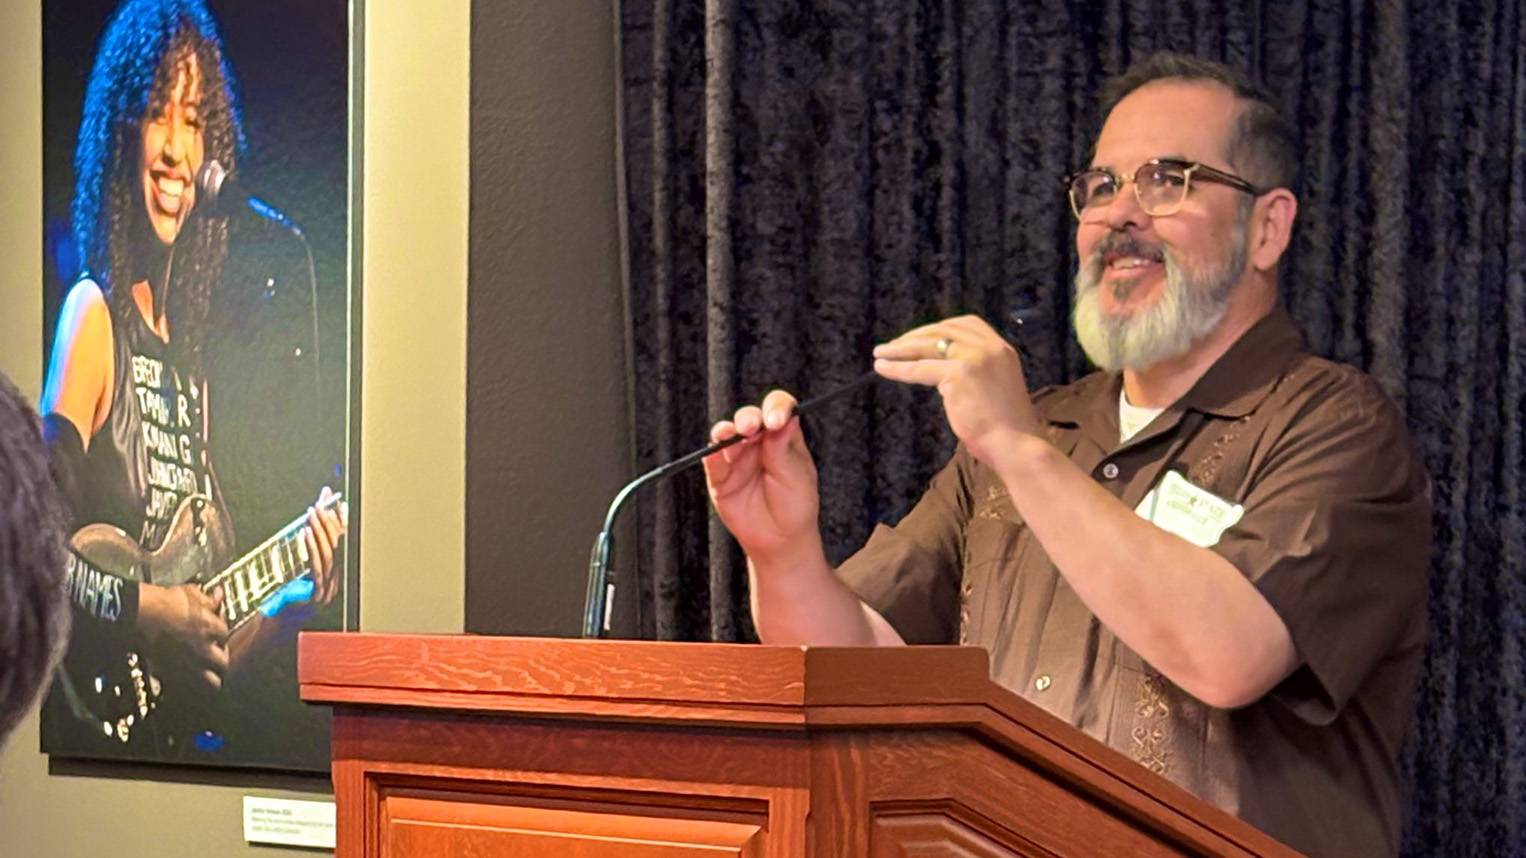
(1339, 414)
(1316, 387)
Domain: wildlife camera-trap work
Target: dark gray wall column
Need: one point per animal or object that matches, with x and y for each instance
(547, 437)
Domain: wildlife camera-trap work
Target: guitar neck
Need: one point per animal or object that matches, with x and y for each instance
(256, 576)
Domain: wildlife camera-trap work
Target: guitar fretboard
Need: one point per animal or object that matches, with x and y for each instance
(253, 578)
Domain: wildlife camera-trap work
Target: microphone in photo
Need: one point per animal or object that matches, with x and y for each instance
(219, 193)
(222, 194)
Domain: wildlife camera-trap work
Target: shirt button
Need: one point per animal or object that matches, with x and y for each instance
(1043, 682)
(1110, 471)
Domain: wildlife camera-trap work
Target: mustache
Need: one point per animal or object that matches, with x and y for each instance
(1123, 244)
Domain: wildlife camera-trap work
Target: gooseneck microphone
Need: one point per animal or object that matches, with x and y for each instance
(600, 591)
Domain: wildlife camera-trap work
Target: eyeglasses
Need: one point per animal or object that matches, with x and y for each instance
(1160, 185)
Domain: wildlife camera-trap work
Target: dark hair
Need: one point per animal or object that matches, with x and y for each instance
(1261, 145)
(34, 607)
(135, 69)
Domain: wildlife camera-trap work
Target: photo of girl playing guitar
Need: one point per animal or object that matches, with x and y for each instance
(168, 601)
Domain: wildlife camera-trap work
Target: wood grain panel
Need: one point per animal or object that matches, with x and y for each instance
(1024, 811)
(720, 674)
(719, 780)
(350, 823)
(920, 834)
(424, 827)
(571, 751)
(942, 675)
(1024, 733)
(700, 713)
(826, 752)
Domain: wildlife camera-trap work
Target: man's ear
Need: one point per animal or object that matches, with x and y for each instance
(1271, 227)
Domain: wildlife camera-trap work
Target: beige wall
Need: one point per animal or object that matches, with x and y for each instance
(412, 508)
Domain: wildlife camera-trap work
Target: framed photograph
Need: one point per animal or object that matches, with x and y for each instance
(200, 270)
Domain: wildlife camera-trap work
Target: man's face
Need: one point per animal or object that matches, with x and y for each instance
(1148, 287)
(173, 148)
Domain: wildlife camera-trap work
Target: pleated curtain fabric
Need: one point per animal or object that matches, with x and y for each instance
(806, 179)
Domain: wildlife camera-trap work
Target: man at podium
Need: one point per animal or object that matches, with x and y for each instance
(1210, 554)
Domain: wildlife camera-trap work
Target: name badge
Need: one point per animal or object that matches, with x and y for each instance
(1196, 515)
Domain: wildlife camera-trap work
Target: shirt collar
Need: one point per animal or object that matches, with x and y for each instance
(1240, 379)
(1236, 383)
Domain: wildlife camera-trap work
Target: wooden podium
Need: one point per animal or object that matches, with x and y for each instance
(458, 745)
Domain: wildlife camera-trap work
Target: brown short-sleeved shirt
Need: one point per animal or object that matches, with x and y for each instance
(1335, 534)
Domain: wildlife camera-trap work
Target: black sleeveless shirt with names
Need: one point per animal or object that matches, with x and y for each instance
(151, 453)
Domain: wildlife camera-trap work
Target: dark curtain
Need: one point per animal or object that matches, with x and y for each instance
(808, 178)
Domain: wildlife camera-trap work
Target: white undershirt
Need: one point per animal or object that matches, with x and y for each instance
(1132, 418)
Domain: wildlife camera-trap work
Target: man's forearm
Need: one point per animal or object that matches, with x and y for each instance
(802, 602)
(1184, 609)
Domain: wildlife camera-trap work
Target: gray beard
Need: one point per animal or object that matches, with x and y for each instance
(1191, 306)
